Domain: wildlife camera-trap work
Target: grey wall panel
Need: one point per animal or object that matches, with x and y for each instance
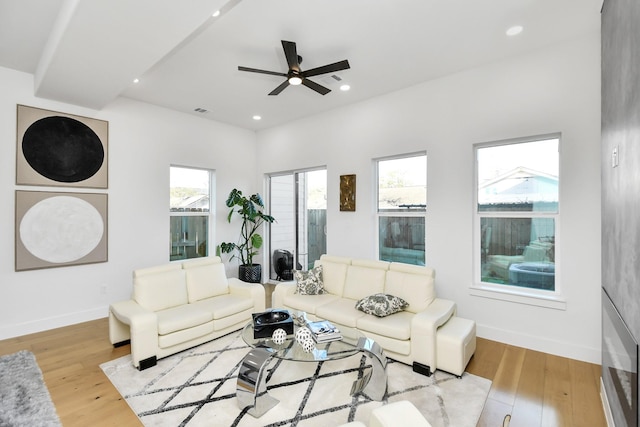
(621, 184)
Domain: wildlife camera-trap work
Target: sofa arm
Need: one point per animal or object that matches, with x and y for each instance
(143, 329)
(424, 328)
(254, 291)
(280, 292)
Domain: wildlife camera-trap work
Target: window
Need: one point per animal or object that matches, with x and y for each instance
(517, 213)
(190, 212)
(299, 235)
(401, 210)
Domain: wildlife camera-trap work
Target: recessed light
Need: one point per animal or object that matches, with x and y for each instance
(136, 80)
(515, 30)
(216, 14)
(257, 117)
(345, 88)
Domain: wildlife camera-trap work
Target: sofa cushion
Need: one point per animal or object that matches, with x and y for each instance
(309, 282)
(397, 326)
(381, 305)
(394, 347)
(308, 303)
(371, 263)
(206, 278)
(159, 288)
(334, 273)
(182, 317)
(362, 281)
(225, 305)
(180, 337)
(341, 311)
(237, 320)
(414, 284)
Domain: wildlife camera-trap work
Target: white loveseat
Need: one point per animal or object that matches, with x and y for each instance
(409, 336)
(177, 306)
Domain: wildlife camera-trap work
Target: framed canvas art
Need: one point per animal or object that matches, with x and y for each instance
(62, 150)
(347, 192)
(55, 229)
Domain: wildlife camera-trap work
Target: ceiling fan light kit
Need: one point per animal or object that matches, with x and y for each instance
(295, 80)
(296, 76)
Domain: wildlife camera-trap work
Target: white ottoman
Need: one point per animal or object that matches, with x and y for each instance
(353, 424)
(456, 343)
(395, 414)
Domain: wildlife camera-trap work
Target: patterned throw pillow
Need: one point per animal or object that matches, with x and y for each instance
(381, 305)
(309, 282)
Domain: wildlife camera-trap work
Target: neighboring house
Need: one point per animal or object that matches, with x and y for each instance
(191, 203)
(519, 185)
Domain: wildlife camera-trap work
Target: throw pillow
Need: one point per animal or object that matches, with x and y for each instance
(381, 305)
(309, 282)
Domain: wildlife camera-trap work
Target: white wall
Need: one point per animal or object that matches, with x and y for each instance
(143, 142)
(552, 90)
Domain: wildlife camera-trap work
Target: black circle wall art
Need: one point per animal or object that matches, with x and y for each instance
(62, 149)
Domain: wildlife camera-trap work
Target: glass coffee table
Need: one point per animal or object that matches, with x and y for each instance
(251, 388)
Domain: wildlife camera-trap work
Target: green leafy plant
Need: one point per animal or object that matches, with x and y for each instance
(250, 211)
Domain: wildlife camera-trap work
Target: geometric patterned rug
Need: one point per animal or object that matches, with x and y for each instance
(197, 387)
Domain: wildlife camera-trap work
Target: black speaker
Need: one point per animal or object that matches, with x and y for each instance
(421, 369)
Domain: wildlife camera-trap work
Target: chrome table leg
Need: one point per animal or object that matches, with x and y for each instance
(251, 387)
(374, 383)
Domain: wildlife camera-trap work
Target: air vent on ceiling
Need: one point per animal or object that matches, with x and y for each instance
(200, 110)
(329, 80)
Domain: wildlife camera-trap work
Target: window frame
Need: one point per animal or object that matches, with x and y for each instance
(300, 259)
(409, 213)
(210, 215)
(524, 295)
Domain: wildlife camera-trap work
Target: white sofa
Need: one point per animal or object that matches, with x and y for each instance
(177, 306)
(409, 336)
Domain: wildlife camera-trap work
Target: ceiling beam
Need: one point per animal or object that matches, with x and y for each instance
(83, 60)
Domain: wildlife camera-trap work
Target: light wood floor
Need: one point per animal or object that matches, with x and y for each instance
(537, 389)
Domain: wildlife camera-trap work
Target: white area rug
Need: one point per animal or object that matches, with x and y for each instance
(198, 388)
(24, 397)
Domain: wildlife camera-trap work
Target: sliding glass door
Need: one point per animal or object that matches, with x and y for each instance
(299, 205)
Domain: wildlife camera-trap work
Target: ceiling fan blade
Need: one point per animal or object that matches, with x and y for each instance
(291, 53)
(280, 88)
(331, 68)
(255, 70)
(315, 86)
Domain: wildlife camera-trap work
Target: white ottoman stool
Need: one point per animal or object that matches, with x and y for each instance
(353, 424)
(395, 414)
(456, 343)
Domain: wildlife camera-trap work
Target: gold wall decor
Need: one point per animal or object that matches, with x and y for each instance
(348, 193)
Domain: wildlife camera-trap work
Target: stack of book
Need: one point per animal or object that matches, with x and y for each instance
(324, 331)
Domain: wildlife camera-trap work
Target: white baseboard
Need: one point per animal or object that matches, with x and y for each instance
(563, 349)
(45, 324)
(605, 405)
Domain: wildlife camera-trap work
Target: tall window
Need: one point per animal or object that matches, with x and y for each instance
(402, 206)
(299, 235)
(517, 212)
(190, 212)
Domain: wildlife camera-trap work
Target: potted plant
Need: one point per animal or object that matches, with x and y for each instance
(249, 241)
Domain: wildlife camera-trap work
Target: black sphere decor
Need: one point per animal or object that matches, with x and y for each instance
(62, 149)
(251, 273)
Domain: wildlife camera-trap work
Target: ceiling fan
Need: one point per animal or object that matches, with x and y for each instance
(295, 75)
